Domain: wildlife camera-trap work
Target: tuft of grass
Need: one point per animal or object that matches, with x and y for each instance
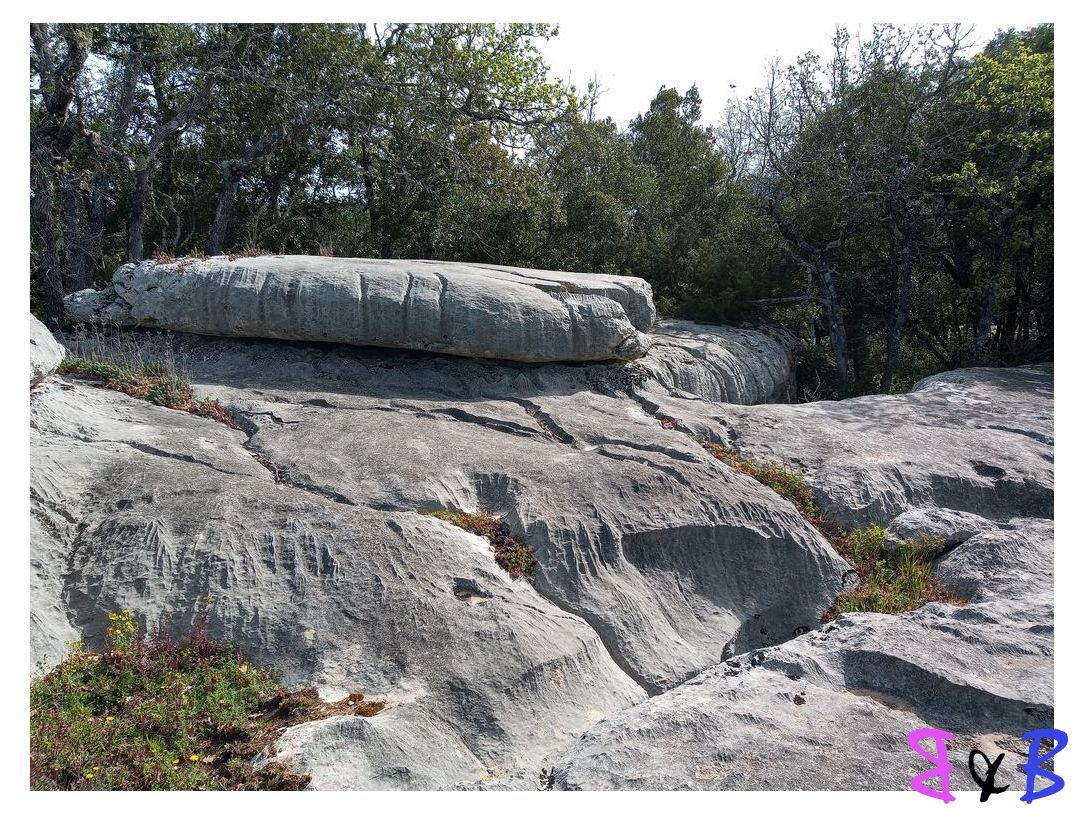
(511, 554)
(249, 250)
(153, 381)
(890, 581)
(782, 481)
(165, 714)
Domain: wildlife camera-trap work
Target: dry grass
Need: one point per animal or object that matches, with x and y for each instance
(511, 554)
(784, 482)
(248, 250)
(119, 363)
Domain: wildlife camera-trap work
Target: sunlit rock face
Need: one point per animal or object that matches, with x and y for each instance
(671, 594)
(491, 312)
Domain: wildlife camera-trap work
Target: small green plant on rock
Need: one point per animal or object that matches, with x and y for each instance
(511, 554)
(892, 580)
(783, 481)
(152, 381)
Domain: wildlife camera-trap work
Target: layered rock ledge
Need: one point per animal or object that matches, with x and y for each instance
(492, 312)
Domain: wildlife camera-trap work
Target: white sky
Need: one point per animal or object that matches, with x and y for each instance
(633, 59)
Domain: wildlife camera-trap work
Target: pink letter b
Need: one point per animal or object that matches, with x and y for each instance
(942, 767)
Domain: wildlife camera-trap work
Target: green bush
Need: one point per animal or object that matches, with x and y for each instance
(892, 581)
(165, 714)
(151, 381)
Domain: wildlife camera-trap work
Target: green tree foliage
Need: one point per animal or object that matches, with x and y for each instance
(910, 185)
(892, 205)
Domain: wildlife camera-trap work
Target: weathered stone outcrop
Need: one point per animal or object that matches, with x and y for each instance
(492, 312)
(978, 440)
(164, 513)
(831, 709)
(303, 534)
(45, 352)
(306, 529)
(944, 527)
(718, 363)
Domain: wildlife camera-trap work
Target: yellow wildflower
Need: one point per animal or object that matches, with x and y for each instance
(109, 718)
(194, 758)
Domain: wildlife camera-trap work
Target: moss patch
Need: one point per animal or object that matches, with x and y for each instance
(151, 381)
(890, 581)
(511, 554)
(164, 714)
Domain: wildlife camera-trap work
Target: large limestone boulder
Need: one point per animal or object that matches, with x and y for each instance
(493, 312)
(303, 534)
(832, 709)
(306, 529)
(167, 514)
(45, 352)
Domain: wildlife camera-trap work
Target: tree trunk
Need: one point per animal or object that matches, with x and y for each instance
(137, 214)
(838, 338)
(895, 328)
(43, 230)
(370, 197)
(233, 171)
(75, 239)
(51, 140)
(225, 210)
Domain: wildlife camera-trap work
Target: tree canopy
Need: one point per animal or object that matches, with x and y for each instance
(891, 205)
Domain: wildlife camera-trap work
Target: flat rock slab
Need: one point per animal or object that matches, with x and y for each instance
(976, 440)
(493, 312)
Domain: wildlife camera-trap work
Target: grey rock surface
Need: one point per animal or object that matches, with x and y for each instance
(775, 717)
(945, 526)
(303, 535)
(493, 312)
(978, 440)
(305, 529)
(719, 363)
(402, 748)
(45, 352)
(167, 514)
(832, 709)
(615, 505)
